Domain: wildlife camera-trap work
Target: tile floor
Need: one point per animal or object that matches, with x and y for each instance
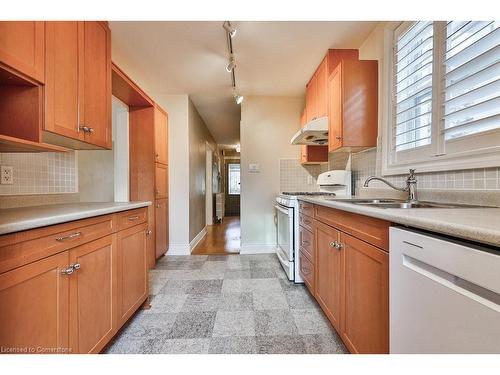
(226, 304)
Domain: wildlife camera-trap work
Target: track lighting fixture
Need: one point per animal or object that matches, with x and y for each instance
(231, 65)
(237, 98)
(230, 30)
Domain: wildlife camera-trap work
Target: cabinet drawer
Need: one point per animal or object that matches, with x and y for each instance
(369, 229)
(25, 247)
(307, 243)
(306, 209)
(307, 271)
(130, 218)
(306, 222)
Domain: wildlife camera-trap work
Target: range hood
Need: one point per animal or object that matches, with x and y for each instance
(315, 133)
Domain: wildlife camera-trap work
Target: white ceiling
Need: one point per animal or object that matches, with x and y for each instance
(273, 58)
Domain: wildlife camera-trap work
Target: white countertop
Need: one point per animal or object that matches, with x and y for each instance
(475, 224)
(24, 218)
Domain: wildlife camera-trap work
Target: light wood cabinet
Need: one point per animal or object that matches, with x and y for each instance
(34, 306)
(311, 102)
(351, 274)
(161, 181)
(329, 272)
(78, 84)
(132, 266)
(161, 149)
(365, 324)
(92, 295)
(161, 214)
(70, 287)
(353, 106)
(22, 47)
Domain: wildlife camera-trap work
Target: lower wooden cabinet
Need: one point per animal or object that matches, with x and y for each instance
(132, 265)
(161, 222)
(92, 293)
(365, 325)
(34, 307)
(329, 272)
(351, 275)
(76, 300)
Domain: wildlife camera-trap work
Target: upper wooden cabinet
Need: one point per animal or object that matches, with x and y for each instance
(312, 154)
(22, 47)
(78, 84)
(353, 106)
(161, 136)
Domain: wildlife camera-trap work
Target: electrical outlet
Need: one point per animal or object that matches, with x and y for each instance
(7, 175)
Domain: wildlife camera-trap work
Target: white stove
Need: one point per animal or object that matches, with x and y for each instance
(332, 183)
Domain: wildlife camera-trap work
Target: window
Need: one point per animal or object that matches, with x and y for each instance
(233, 179)
(445, 107)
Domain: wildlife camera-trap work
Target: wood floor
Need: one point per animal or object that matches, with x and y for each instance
(221, 238)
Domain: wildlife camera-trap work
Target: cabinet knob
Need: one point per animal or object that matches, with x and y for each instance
(91, 130)
(70, 269)
(148, 232)
(338, 137)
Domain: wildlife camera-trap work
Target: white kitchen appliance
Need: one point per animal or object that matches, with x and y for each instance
(332, 183)
(315, 132)
(444, 295)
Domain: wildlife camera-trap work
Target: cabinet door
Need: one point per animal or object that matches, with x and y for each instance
(365, 323)
(311, 100)
(161, 181)
(161, 213)
(322, 89)
(96, 101)
(132, 270)
(92, 295)
(328, 272)
(335, 110)
(62, 46)
(303, 118)
(22, 47)
(161, 149)
(34, 305)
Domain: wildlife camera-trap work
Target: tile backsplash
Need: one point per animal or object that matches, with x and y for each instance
(41, 173)
(297, 177)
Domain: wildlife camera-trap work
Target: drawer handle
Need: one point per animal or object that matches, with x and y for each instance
(133, 218)
(412, 244)
(69, 237)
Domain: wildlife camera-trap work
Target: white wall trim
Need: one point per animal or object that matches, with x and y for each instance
(179, 249)
(255, 248)
(197, 239)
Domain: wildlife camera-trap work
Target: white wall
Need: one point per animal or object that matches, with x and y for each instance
(121, 151)
(267, 125)
(178, 156)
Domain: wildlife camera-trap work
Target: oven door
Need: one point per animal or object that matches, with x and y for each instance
(285, 239)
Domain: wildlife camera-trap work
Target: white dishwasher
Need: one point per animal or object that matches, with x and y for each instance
(444, 295)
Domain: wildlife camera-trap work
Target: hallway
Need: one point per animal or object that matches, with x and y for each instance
(221, 238)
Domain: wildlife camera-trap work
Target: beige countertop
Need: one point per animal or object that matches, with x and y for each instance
(475, 224)
(24, 218)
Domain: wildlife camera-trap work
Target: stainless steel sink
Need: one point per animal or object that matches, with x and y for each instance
(395, 203)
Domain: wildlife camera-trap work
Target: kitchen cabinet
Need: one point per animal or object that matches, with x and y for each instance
(351, 274)
(22, 47)
(353, 106)
(365, 325)
(132, 266)
(72, 286)
(92, 295)
(161, 150)
(161, 181)
(78, 84)
(161, 220)
(329, 272)
(34, 308)
(311, 102)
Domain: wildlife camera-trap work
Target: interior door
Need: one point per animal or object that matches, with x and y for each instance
(34, 306)
(96, 102)
(92, 291)
(62, 46)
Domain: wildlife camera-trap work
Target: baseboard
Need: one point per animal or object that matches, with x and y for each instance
(258, 248)
(197, 239)
(179, 249)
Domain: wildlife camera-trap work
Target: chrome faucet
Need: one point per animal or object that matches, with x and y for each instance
(411, 185)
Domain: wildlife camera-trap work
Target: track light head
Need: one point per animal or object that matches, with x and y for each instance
(230, 30)
(238, 98)
(232, 64)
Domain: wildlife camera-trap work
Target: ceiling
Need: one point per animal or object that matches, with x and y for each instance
(272, 58)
